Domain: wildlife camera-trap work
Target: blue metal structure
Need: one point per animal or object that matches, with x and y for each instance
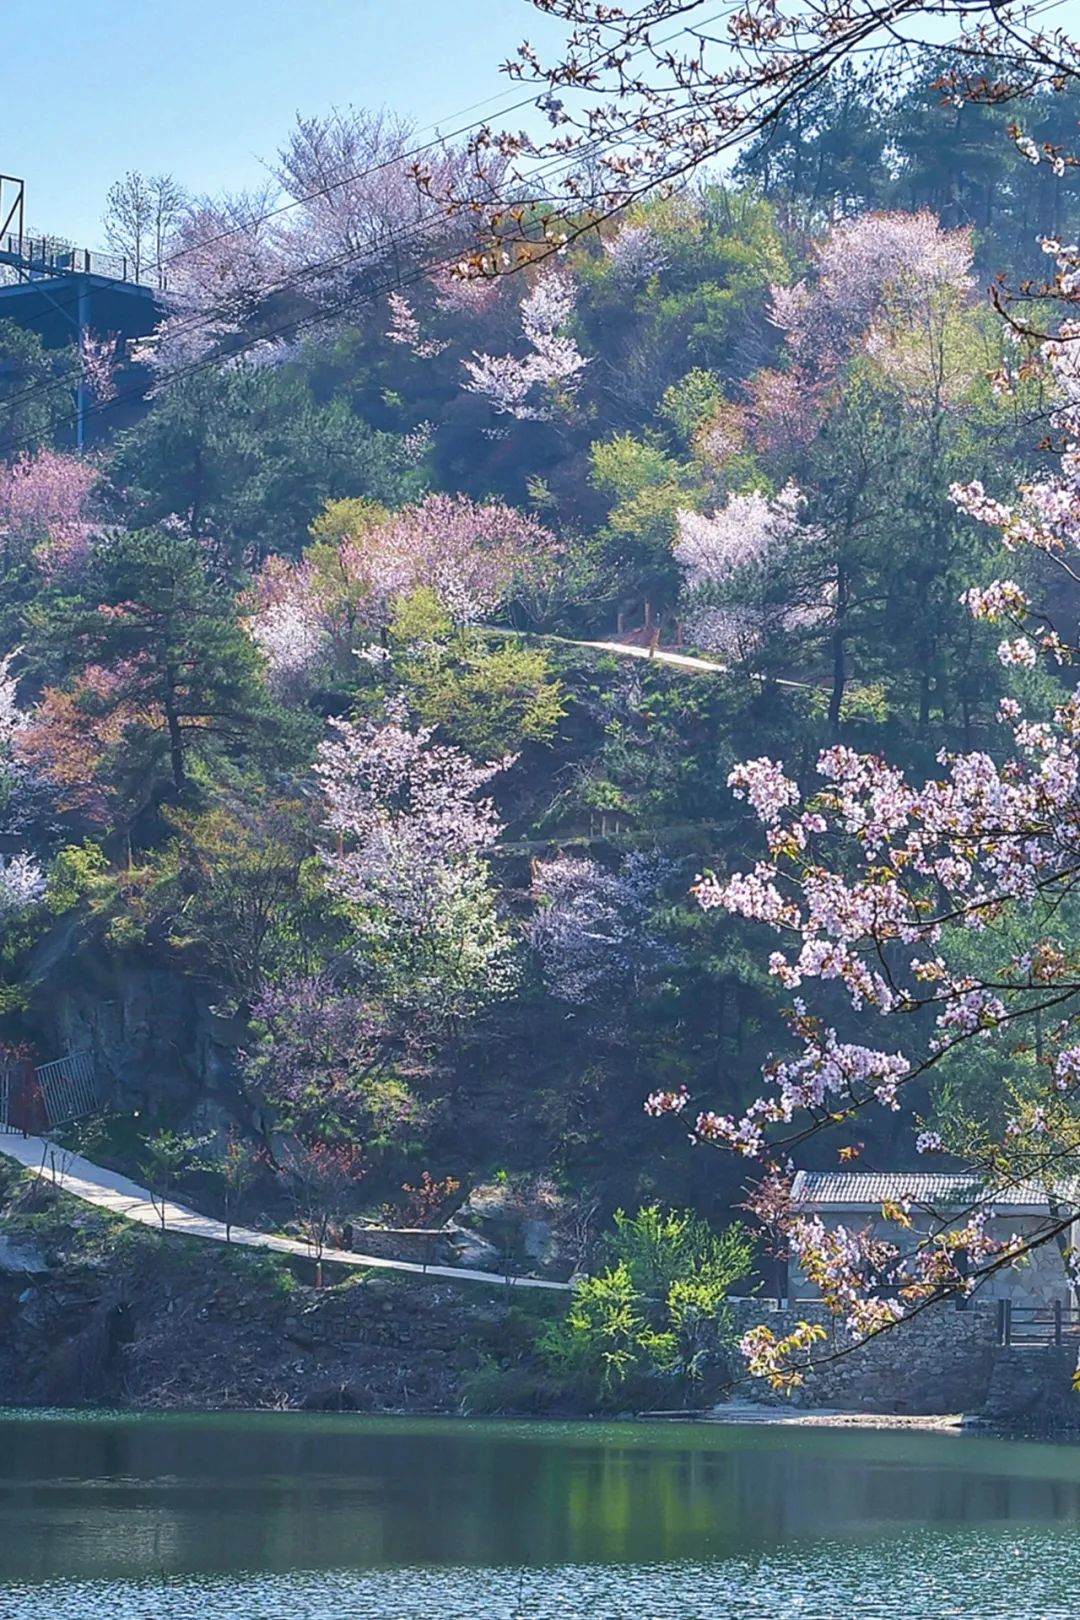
(62, 292)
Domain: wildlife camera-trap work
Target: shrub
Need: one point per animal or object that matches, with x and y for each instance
(656, 1312)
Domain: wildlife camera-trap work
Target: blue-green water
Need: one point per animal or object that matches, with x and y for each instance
(293, 1518)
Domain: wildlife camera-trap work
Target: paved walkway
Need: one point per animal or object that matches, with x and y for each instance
(119, 1196)
(657, 655)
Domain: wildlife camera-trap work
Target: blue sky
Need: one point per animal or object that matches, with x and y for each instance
(206, 89)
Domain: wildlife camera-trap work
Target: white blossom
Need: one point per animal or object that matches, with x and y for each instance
(22, 883)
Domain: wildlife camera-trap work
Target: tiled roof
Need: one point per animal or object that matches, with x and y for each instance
(864, 1189)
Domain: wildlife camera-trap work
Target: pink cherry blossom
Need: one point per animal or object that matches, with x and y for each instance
(45, 502)
(862, 264)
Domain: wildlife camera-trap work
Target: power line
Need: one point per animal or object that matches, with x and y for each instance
(438, 139)
(817, 70)
(367, 295)
(402, 157)
(291, 282)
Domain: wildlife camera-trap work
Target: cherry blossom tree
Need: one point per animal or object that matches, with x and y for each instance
(289, 623)
(727, 557)
(475, 557)
(785, 410)
(592, 930)
(411, 835)
(22, 884)
(864, 268)
(12, 718)
(463, 295)
(640, 97)
(407, 805)
(880, 888)
(364, 193)
(224, 265)
(45, 504)
(97, 364)
(353, 188)
(635, 253)
(528, 386)
(317, 1042)
(404, 328)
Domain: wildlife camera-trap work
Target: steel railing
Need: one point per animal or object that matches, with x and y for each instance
(1055, 1323)
(52, 1094)
(68, 1087)
(48, 256)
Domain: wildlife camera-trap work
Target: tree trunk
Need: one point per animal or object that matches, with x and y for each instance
(176, 742)
(839, 660)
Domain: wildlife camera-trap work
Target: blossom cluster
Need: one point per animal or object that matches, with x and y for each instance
(44, 507)
(404, 328)
(592, 928)
(472, 555)
(405, 807)
(22, 883)
(898, 260)
(288, 623)
(635, 252)
(726, 557)
(923, 862)
(525, 386)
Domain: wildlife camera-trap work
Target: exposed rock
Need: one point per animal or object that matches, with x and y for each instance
(522, 1222)
(540, 1244)
(473, 1251)
(21, 1259)
(153, 1032)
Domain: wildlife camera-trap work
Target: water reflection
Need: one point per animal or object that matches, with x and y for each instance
(321, 1518)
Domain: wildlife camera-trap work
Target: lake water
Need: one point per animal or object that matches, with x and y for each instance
(296, 1518)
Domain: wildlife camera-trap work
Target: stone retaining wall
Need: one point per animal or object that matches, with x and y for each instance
(388, 1243)
(942, 1360)
(1032, 1388)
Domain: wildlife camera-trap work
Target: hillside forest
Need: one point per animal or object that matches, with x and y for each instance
(348, 801)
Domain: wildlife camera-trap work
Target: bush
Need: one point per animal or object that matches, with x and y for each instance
(656, 1314)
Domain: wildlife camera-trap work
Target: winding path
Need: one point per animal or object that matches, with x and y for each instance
(658, 655)
(118, 1196)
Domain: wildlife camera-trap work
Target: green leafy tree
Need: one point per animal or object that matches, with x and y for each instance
(489, 696)
(646, 488)
(178, 663)
(247, 456)
(657, 1309)
(36, 390)
(239, 891)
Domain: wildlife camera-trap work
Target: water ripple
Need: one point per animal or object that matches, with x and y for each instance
(1031, 1574)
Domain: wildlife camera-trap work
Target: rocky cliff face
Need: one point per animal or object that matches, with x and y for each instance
(157, 1042)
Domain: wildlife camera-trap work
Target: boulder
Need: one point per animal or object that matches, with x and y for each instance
(472, 1251)
(540, 1244)
(522, 1221)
